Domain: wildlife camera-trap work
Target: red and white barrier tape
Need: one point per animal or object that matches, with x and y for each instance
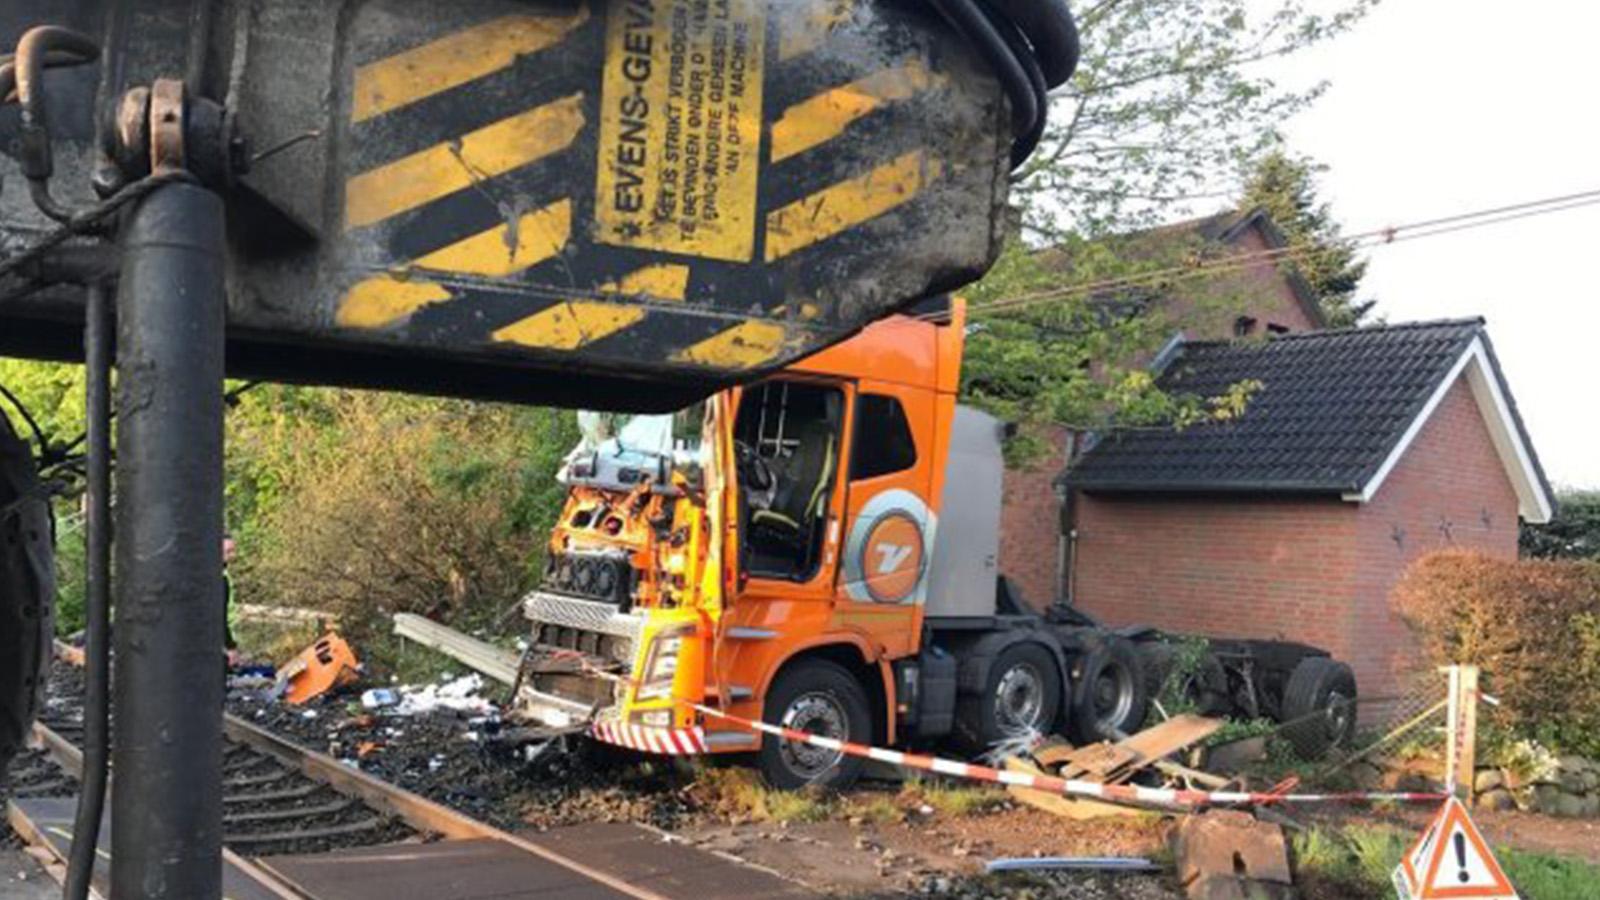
(1115, 793)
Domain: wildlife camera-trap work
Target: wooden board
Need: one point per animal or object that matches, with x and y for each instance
(1061, 805)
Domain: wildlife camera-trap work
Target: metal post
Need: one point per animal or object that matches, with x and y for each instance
(97, 606)
(166, 805)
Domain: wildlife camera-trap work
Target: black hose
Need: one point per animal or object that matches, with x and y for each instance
(97, 605)
(987, 41)
(1048, 26)
(1024, 145)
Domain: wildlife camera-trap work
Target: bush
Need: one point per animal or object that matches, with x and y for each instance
(1574, 533)
(367, 504)
(1532, 626)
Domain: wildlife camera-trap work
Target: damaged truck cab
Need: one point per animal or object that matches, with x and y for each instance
(816, 550)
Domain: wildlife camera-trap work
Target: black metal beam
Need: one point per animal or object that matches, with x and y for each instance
(166, 807)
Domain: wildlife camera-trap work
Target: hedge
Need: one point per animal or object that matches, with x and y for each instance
(1532, 626)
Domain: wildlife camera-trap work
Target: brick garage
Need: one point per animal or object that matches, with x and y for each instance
(1362, 451)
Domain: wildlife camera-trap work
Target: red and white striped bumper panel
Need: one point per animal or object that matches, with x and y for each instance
(665, 741)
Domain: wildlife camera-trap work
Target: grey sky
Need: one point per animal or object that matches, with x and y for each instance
(1445, 106)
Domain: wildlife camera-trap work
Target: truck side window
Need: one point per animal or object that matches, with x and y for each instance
(883, 442)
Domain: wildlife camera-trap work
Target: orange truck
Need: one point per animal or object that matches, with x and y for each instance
(816, 549)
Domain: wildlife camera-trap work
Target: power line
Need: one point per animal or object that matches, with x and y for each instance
(1373, 238)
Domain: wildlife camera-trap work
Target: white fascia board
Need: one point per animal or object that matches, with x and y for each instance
(1533, 504)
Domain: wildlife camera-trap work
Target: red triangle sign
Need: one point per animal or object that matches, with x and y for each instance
(1451, 861)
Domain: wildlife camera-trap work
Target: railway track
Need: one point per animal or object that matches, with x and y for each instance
(299, 825)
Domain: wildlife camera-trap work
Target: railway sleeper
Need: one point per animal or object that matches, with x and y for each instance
(252, 839)
(295, 793)
(281, 815)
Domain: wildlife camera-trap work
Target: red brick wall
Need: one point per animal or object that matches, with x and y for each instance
(1030, 524)
(1317, 570)
(1207, 309)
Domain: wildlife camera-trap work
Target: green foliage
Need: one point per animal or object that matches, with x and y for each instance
(1574, 532)
(1358, 861)
(1285, 187)
(366, 504)
(1533, 626)
(53, 394)
(1164, 102)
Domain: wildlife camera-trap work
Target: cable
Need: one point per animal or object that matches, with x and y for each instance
(1374, 238)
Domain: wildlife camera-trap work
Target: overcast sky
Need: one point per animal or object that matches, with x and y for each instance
(1445, 106)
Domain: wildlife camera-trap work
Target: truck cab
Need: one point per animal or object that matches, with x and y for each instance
(815, 550)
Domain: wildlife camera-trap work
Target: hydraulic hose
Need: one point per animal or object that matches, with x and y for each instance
(1031, 45)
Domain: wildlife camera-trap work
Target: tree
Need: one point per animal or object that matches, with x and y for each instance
(1285, 187)
(1574, 532)
(1168, 104)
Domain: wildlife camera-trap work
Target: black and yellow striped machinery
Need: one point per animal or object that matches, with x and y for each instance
(606, 204)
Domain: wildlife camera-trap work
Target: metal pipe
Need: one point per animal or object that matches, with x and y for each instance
(97, 595)
(166, 824)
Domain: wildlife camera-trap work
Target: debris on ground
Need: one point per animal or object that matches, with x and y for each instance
(1229, 853)
(1078, 863)
(325, 665)
(1113, 763)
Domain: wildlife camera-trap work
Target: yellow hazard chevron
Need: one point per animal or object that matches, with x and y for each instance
(575, 323)
(824, 117)
(744, 346)
(503, 250)
(840, 207)
(402, 79)
(443, 169)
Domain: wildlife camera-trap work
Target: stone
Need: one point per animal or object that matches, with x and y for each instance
(1591, 807)
(1227, 853)
(1569, 806)
(1487, 780)
(1571, 780)
(1232, 887)
(1545, 798)
(1572, 763)
(1591, 780)
(1496, 800)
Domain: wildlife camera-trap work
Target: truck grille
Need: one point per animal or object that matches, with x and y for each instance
(604, 576)
(592, 627)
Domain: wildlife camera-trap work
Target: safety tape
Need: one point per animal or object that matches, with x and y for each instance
(1115, 793)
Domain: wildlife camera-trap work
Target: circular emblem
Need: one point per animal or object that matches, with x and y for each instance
(891, 557)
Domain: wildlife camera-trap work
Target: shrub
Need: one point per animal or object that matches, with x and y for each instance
(1574, 533)
(1532, 626)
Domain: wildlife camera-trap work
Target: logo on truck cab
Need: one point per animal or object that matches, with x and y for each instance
(886, 554)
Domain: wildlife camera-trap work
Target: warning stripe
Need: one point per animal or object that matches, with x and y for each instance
(824, 117)
(840, 207)
(402, 79)
(503, 250)
(744, 346)
(443, 169)
(576, 323)
(1125, 793)
(665, 741)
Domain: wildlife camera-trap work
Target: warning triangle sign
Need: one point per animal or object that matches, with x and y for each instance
(1451, 861)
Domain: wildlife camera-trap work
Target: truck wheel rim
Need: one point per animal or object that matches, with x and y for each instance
(1019, 699)
(1338, 712)
(1112, 696)
(820, 714)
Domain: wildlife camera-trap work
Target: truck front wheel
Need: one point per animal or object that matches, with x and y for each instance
(1021, 696)
(821, 698)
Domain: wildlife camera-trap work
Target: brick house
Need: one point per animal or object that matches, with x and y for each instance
(1363, 450)
(1261, 298)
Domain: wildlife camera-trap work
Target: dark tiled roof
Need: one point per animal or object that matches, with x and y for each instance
(1331, 408)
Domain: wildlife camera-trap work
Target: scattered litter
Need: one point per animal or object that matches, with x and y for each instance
(459, 696)
(325, 665)
(1097, 863)
(308, 714)
(378, 698)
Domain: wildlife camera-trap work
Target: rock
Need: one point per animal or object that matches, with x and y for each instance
(1235, 755)
(1569, 806)
(1591, 806)
(1366, 776)
(1487, 780)
(1571, 780)
(1403, 781)
(1496, 799)
(1227, 853)
(1573, 763)
(1545, 798)
(1231, 887)
(1591, 780)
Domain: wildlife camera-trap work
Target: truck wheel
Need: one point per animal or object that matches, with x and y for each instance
(1109, 691)
(1320, 702)
(27, 592)
(822, 698)
(1021, 696)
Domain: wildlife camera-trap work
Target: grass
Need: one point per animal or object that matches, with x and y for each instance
(955, 799)
(1358, 862)
(739, 791)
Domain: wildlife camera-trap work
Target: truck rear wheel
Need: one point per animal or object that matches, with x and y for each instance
(1109, 691)
(822, 698)
(1320, 702)
(27, 591)
(1021, 696)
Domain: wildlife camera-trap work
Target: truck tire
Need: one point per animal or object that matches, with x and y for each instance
(1021, 696)
(1205, 688)
(1319, 684)
(1109, 694)
(27, 592)
(823, 698)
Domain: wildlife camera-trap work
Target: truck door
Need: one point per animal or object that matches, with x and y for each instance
(889, 522)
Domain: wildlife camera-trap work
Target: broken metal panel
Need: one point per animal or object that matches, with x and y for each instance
(470, 197)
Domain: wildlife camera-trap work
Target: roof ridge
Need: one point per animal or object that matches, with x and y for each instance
(1478, 321)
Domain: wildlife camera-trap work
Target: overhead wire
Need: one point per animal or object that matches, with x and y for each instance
(1373, 238)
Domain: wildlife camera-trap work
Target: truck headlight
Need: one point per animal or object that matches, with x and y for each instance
(661, 666)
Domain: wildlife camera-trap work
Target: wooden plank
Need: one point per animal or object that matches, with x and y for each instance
(501, 665)
(1169, 737)
(1060, 804)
